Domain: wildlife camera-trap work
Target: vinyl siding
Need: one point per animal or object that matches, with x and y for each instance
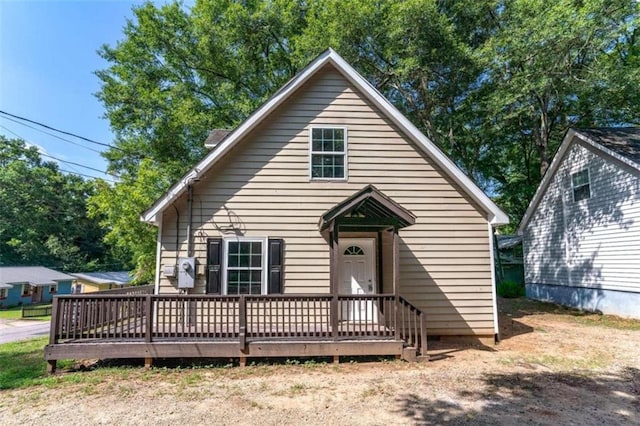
(590, 243)
(262, 187)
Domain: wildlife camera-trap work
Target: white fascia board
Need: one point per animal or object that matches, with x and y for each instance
(496, 216)
(546, 180)
(150, 216)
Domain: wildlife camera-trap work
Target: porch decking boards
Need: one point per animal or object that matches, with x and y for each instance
(109, 326)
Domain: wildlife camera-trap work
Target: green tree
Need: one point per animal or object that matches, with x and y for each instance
(495, 84)
(176, 75)
(551, 66)
(43, 215)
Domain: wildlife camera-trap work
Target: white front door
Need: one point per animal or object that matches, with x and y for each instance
(357, 276)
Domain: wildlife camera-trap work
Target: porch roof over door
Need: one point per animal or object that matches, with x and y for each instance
(368, 206)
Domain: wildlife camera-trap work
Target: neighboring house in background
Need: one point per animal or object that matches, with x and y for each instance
(26, 285)
(510, 264)
(321, 177)
(89, 282)
(582, 229)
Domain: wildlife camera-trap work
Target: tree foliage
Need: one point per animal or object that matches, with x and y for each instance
(43, 215)
(495, 84)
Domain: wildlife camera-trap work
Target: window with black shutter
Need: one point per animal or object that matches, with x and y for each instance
(244, 265)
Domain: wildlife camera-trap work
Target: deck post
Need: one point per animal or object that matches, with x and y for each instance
(333, 278)
(242, 321)
(396, 284)
(51, 366)
(423, 335)
(53, 329)
(149, 317)
(148, 362)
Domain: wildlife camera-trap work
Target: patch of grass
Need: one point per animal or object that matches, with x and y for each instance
(521, 306)
(22, 363)
(11, 313)
(610, 321)
(15, 313)
(297, 389)
(510, 289)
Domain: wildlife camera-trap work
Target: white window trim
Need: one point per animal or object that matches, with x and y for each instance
(345, 153)
(573, 188)
(225, 260)
(54, 287)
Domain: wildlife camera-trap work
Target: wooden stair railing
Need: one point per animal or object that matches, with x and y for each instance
(412, 326)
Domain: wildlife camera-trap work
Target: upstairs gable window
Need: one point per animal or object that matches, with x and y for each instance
(328, 153)
(581, 185)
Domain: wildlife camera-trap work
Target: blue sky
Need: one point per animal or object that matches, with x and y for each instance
(47, 59)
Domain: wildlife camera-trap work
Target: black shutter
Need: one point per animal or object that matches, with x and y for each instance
(214, 265)
(275, 266)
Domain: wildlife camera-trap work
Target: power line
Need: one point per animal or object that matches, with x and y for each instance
(52, 135)
(59, 159)
(62, 131)
(83, 175)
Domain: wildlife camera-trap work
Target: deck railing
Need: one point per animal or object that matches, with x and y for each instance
(96, 317)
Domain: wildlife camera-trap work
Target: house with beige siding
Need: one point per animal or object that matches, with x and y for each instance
(326, 219)
(581, 231)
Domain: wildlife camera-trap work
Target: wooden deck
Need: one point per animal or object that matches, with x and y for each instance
(163, 326)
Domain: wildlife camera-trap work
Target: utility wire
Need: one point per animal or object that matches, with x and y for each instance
(58, 159)
(52, 135)
(87, 176)
(61, 131)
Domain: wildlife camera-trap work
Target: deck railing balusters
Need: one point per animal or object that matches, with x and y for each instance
(150, 317)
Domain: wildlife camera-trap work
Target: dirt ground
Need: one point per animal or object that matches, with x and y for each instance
(552, 367)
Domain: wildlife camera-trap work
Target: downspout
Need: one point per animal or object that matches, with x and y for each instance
(177, 233)
(189, 218)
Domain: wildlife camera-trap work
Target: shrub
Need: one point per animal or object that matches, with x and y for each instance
(510, 289)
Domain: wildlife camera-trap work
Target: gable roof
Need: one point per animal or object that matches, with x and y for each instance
(34, 275)
(496, 216)
(620, 143)
(118, 278)
(369, 202)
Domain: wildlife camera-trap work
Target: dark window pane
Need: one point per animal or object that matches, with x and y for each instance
(338, 134)
(580, 178)
(327, 145)
(233, 247)
(338, 160)
(256, 260)
(338, 145)
(316, 160)
(327, 134)
(256, 288)
(582, 193)
(316, 171)
(256, 247)
(316, 134)
(316, 145)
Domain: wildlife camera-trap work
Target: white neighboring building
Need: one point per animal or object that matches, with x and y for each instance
(582, 229)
